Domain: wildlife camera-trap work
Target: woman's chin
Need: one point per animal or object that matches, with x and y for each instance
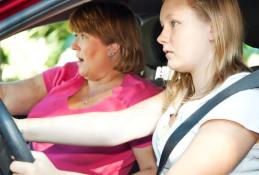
(82, 73)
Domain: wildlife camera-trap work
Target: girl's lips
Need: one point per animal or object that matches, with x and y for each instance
(168, 54)
(167, 51)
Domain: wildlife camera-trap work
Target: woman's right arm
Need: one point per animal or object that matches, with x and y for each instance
(41, 166)
(97, 128)
(21, 96)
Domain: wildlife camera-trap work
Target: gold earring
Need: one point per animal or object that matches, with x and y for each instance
(110, 53)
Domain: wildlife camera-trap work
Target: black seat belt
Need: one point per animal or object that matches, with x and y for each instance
(248, 82)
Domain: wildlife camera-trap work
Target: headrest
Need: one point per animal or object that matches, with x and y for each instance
(153, 53)
(250, 12)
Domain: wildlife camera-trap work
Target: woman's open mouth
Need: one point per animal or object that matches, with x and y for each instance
(80, 59)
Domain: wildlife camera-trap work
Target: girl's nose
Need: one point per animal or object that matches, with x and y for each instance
(163, 37)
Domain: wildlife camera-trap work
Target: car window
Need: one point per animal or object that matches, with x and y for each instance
(33, 51)
(251, 55)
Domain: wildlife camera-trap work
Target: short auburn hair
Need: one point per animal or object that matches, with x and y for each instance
(112, 23)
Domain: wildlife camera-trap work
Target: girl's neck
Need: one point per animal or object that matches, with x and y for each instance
(202, 77)
(202, 84)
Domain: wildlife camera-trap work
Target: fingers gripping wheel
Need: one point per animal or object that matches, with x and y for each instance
(11, 142)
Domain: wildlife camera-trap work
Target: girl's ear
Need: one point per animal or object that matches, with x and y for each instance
(211, 33)
(112, 49)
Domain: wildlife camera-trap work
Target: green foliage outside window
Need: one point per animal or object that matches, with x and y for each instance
(57, 38)
(248, 51)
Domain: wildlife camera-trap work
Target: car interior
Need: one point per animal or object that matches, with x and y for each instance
(44, 12)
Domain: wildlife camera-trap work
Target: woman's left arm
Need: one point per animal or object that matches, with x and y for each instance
(217, 149)
(145, 159)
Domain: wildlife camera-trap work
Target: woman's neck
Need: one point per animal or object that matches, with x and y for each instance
(104, 84)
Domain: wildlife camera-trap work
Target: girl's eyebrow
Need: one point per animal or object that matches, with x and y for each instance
(167, 17)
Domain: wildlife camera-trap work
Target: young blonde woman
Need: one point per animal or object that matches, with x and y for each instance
(202, 40)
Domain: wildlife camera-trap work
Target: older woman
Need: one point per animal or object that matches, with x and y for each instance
(105, 78)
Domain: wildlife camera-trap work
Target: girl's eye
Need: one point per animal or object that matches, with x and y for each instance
(173, 23)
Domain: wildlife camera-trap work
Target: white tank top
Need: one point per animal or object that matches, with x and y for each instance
(246, 113)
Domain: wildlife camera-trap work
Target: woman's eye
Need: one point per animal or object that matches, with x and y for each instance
(82, 36)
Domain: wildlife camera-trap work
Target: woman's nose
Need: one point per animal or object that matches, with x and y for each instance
(74, 45)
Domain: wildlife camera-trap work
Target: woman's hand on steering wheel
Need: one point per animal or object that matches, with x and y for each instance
(41, 166)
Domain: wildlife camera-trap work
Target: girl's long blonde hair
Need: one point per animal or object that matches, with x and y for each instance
(227, 25)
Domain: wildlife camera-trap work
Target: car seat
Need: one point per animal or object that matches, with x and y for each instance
(153, 53)
(250, 12)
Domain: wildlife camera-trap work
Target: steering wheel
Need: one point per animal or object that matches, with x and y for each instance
(12, 144)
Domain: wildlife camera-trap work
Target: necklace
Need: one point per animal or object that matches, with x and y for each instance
(90, 100)
(84, 97)
(85, 102)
